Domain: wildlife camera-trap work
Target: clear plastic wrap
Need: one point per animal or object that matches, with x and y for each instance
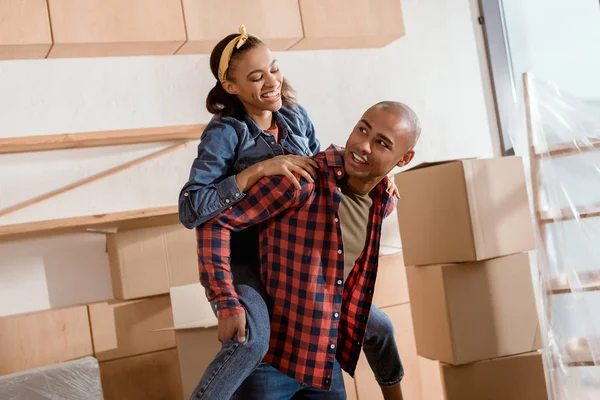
(73, 380)
(558, 136)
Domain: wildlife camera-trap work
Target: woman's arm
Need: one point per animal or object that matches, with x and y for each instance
(211, 187)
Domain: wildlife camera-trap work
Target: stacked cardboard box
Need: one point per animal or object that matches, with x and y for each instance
(42, 339)
(136, 361)
(145, 262)
(465, 227)
(391, 296)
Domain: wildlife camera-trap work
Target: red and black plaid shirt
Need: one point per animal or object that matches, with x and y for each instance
(302, 266)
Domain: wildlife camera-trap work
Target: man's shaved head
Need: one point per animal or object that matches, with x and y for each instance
(406, 114)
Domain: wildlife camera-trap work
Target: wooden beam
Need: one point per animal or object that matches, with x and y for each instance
(125, 220)
(567, 214)
(589, 281)
(579, 353)
(578, 146)
(103, 138)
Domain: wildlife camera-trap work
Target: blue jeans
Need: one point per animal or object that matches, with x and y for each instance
(236, 361)
(268, 383)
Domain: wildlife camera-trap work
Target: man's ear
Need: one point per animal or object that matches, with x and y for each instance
(406, 158)
(229, 87)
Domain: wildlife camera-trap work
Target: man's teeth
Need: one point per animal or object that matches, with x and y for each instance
(359, 159)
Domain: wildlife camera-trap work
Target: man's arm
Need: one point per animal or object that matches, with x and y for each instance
(269, 197)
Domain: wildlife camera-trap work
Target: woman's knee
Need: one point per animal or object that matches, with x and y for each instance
(379, 325)
(257, 340)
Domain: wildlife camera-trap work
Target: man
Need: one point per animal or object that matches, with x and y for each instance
(319, 254)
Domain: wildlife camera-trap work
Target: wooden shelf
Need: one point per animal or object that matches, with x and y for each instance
(579, 353)
(571, 148)
(103, 138)
(121, 220)
(566, 214)
(590, 281)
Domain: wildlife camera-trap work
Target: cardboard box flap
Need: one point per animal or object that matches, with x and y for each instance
(426, 164)
(204, 324)
(191, 309)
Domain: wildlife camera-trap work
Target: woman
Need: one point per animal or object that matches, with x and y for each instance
(257, 130)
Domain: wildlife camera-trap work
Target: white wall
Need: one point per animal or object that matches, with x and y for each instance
(436, 69)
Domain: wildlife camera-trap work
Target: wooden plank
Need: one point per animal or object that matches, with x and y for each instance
(577, 147)
(578, 353)
(567, 214)
(91, 179)
(133, 219)
(103, 138)
(589, 281)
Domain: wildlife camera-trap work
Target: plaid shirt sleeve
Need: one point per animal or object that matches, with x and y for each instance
(391, 203)
(269, 197)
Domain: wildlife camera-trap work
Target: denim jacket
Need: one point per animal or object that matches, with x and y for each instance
(227, 147)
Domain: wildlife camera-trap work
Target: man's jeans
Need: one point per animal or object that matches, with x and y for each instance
(268, 383)
(236, 361)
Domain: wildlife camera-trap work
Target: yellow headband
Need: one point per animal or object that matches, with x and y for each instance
(238, 42)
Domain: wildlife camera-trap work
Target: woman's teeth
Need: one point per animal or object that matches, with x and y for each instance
(274, 93)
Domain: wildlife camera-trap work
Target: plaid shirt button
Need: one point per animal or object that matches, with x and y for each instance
(340, 251)
(339, 282)
(336, 315)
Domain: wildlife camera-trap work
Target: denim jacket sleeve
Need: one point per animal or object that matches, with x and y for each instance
(212, 186)
(313, 143)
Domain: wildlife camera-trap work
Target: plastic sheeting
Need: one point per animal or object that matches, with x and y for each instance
(558, 136)
(73, 380)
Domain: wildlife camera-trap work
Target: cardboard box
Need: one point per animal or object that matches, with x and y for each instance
(510, 378)
(350, 386)
(195, 327)
(149, 376)
(204, 31)
(24, 30)
(474, 311)
(390, 287)
(44, 338)
(351, 24)
(149, 261)
(123, 329)
(459, 211)
(366, 385)
(113, 28)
